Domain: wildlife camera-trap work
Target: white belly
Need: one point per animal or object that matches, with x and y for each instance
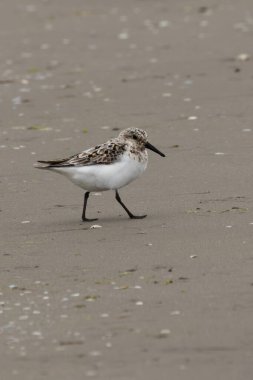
(104, 177)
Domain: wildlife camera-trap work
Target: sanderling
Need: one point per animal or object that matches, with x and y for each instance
(108, 166)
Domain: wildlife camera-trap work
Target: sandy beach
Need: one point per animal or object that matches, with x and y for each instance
(166, 297)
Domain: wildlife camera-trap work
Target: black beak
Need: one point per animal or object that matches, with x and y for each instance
(151, 147)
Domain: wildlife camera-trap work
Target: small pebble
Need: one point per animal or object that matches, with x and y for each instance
(90, 373)
(243, 57)
(164, 333)
(104, 315)
(164, 23)
(175, 312)
(13, 286)
(95, 353)
(23, 317)
(97, 89)
(123, 36)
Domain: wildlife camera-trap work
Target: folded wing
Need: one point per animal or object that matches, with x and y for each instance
(104, 154)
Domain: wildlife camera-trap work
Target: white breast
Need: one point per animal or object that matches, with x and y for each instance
(104, 177)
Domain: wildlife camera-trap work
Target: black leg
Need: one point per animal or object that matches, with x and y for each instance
(131, 216)
(86, 196)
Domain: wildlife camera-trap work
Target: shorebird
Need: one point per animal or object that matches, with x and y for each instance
(108, 166)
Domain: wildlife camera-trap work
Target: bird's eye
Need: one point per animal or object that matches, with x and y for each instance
(134, 137)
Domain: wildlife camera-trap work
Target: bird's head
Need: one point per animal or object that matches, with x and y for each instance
(138, 137)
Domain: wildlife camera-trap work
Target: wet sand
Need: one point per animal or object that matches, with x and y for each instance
(167, 297)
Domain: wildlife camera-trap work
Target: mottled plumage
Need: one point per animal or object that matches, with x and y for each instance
(105, 153)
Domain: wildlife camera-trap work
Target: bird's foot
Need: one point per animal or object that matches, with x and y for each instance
(89, 220)
(137, 216)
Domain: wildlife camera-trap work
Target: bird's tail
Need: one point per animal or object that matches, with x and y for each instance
(48, 164)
